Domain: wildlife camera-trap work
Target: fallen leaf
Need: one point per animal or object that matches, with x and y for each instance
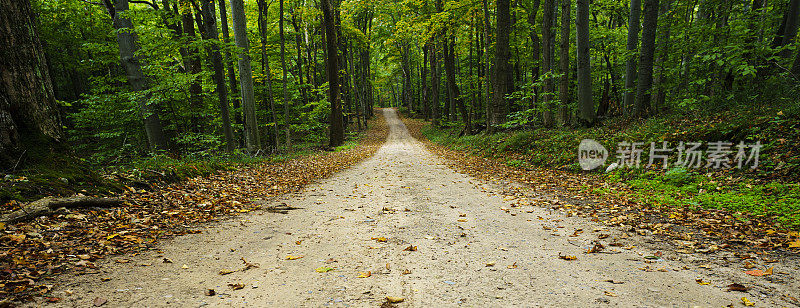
(701, 282)
(236, 286)
(410, 248)
(490, 264)
(290, 257)
(210, 292)
(513, 266)
(406, 272)
(568, 258)
(747, 302)
(167, 260)
(393, 299)
(323, 269)
(736, 287)
(99, 301)
(462, 220)
(298, 242)
(760, 272)
(364, 275)
(185, 266)
(225, 271)
(380, 239)
(610, 294)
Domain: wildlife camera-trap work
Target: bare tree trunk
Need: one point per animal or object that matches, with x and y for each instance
(126, 38)
(435, 78)
(487, 72)
(336, 128)
(286, 124)
(193, 67)
(585, 103)
(210, 22)
(29, 120)
(650, 24)
(630, 64)
(536, 48)
(548, 42)
(262, 30)
(223, 16)
(563, 63)
(455, 93)
(252, 141)
(503, 82)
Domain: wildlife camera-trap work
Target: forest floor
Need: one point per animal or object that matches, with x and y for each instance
(404, 224)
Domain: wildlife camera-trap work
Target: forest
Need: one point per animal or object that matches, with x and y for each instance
(112, 102)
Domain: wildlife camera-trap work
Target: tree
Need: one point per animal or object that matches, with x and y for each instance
(585, 103)
(285, 77)
(563, 63)
(29, 121)
(252, 140)
(210, 23)
(548, 42)
(645, 82)
(630, 64)
(503, 83)
(331, 63)
(128, 48)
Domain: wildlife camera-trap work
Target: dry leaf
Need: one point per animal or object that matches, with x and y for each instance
(568, 258)
(406, 272)
(747, 302)
(393, 299)
(760, 272)
(736, 287)
(99, 301)
(610, 294)
(323, 269)
(410, 248)
(236, 286)
(701, 282)
(380, 239)
(290, 257)
(210, 292)
(185, 266)
(364, 275)
(513, 266)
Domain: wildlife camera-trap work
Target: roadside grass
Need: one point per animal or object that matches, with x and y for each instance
(772, 190)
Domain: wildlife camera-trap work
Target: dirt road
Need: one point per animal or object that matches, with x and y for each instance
(469, 252)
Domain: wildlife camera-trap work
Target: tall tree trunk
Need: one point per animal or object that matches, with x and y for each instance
(535, 49)
(426, 103)
(285, 78)
(223, 16)
(128, 47)
(252, 141)
(645, 82)
(29, 121)
(435, 79)
(790, 30)
(548, 42)
(663, 57)
(209, 16)
(193, 67)
(487, 72)
(336, 128)
(503, 83)
(585, 103)
(263, 10)
(563, 63)
(630, 63)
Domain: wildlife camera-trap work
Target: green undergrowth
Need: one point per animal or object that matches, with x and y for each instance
(772, 189)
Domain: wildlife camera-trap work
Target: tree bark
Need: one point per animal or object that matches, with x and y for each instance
(50, 205)
(193, 67)
(645, 82)
(29, 120)
(535, 49)
(630, 63)
(503, 82)
(332, 65)
(228, 59)
(455, 93)
(548, 42)
(285, 78)
(487, 72)
(263, 9)
(563, 63)
(128, 47)
(585, 103)
(252, 140)
(790, 30)
(209, 16)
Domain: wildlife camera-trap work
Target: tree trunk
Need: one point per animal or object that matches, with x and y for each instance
(252, 141)
(585, 103)
(209, 16)
(663, 58)
(262, 30)
(223, 16)
(193, 67)
(790, 30)
(650, 24)
(435, 78)
(455, 93)
(487, 72)
(331, 61)
(548, 42)
(29, 120)
(563, 63)
(503, 83)
(426, 104)
(535, 49)
(285, 79)
(630, 64)
(128, 47)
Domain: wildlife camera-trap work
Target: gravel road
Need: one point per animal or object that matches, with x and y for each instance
(422, 232)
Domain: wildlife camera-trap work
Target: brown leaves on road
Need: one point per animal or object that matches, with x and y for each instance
(52, 245)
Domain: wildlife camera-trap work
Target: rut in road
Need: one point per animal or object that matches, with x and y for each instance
(468, 251)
